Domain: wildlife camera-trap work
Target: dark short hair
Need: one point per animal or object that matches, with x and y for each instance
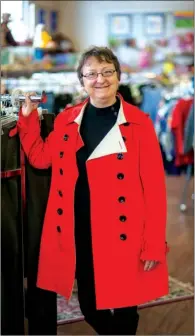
(101, 54)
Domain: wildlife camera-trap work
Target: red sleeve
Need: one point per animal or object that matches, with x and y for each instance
(154, 188)
(176, 125)
(37, 151)
(176, 114)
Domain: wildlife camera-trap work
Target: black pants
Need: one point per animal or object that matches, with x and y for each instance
(121, 321)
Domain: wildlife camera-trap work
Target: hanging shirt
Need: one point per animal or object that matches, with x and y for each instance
(179, 116)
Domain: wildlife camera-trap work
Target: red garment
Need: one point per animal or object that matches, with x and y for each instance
(120, 279)
(179, 117)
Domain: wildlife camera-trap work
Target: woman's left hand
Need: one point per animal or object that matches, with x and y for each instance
(150, 264)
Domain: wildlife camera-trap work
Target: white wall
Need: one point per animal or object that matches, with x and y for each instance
(47, 4)
(86, 22)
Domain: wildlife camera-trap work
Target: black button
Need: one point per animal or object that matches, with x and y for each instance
(124, 139)
(120, 176)
(123, 236)
(61, 154)
(61, 171)
(66, 136)
(58, 228)
(60, 211)
(121, 199)
(126, 124)
(120, 156)
(60, 193)
(123, 218)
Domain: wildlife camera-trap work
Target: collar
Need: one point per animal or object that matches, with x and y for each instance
(127, 112)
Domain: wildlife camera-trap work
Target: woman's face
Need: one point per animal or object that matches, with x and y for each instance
(101, 90)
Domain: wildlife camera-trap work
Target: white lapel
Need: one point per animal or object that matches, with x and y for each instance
(79, 118)
(113, 141)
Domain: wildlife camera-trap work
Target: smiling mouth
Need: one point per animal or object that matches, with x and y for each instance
(103, 87)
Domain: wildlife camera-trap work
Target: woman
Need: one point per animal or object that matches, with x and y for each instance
(105, 221)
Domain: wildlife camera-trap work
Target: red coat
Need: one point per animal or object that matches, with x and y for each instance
(118, 246)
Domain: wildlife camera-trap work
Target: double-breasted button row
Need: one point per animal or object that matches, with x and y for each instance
(59, 210)
(122, 199)
(65, 137)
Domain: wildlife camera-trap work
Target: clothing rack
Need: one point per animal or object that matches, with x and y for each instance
(37, 305)
(9, 115)
(13, 317)
(165, 134)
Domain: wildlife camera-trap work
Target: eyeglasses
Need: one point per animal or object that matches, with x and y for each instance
(94, 74)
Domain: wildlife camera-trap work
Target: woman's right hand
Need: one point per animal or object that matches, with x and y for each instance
(28, 106)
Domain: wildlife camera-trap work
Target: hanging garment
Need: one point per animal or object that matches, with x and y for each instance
(126, 93)
(151, 100)
(163, 130)
(12, 295)
(61, 101)
(179, 118)
(41, 305)
(49, 104)
(189, 131)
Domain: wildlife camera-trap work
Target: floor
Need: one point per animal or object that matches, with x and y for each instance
(175, 318)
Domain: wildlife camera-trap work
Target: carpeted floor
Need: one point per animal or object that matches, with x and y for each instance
(70, 312)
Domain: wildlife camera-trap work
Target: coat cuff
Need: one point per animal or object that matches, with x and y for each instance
(152, 252)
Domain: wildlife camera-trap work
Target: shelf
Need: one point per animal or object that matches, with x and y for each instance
(28, 73)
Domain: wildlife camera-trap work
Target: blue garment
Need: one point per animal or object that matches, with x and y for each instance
(151, 100)
(48, 105)
(163, 131)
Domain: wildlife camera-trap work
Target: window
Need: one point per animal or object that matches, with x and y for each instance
(15, 8)
(22, 16)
